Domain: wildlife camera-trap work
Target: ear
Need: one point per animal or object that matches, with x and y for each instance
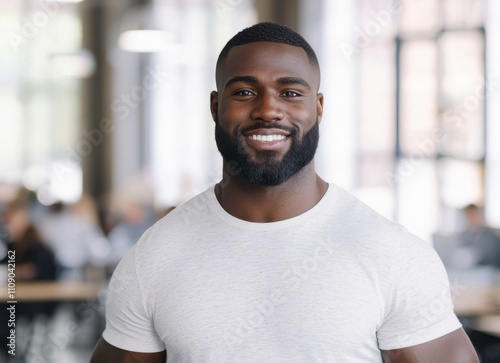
(319, 106)
(214, 104)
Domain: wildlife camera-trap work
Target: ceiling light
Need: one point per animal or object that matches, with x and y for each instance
(144, 40)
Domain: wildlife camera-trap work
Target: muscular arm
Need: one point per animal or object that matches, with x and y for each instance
(454, 347)
(107, 353)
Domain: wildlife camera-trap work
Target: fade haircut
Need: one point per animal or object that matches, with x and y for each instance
(267, 32)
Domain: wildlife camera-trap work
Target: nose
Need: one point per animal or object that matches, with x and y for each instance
(267, 108)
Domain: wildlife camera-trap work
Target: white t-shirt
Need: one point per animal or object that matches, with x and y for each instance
(334, 284)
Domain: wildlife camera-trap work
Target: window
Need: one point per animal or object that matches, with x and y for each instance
(40, 94)
(423, 86)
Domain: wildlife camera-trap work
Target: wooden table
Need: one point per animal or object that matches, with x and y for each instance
(476, 300)
(52, 291)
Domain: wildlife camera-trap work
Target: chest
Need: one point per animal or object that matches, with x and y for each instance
(311, 302)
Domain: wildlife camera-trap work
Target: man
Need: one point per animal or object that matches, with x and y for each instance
(482, 242)
(273, 264)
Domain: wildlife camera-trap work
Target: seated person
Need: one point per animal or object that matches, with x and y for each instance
(34, 261)
(482, 241)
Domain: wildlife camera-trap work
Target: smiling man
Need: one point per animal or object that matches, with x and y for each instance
(273, 264)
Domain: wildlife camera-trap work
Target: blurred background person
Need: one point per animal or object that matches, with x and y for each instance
(34, 261)
(482, 241)
(132, 220)
(131, 212)
(74, 234)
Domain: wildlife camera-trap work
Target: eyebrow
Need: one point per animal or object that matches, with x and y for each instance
(281, 80)
(245, 79)
(293, 80)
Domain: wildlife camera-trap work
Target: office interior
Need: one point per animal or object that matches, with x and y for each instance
(106, 128)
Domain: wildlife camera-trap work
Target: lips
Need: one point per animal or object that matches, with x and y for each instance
(267, 138)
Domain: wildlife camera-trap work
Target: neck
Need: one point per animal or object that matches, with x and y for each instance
(270, 204)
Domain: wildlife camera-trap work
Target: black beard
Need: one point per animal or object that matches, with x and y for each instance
(269, 171)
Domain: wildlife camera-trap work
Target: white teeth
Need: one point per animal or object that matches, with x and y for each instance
(267, 137)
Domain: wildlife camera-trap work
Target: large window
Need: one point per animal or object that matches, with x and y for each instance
(412, 88)
(423, 88)
(40, 96)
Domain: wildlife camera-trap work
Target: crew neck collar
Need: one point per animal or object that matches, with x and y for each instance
(217, 209)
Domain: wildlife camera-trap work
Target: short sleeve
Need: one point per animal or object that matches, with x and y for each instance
(128, 324)
(420, 307)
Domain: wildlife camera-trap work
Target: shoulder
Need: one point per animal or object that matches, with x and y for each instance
(194, 210)
(356, 211)
(373, 239)
(363, 225)
(169, 235)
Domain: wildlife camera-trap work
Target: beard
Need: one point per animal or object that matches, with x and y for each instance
(269, 170)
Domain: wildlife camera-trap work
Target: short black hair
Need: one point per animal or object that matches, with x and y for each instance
(268, 32)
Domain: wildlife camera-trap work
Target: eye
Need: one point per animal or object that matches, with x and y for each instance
(243, 92)
(291, 94)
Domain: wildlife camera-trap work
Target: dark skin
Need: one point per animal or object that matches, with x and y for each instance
(268, 82)
(271, 82)
(107, 353)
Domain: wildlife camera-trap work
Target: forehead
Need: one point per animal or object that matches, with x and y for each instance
(268, 59)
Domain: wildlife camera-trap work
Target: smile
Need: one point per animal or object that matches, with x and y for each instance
(271, 140)
(267, 137)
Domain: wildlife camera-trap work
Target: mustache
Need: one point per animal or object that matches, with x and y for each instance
(267, 125)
